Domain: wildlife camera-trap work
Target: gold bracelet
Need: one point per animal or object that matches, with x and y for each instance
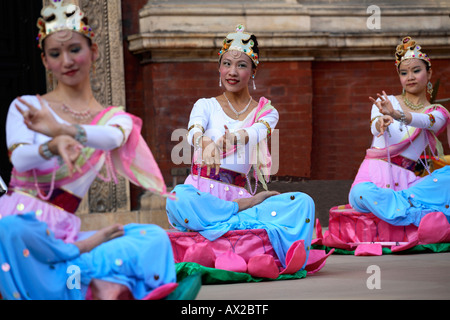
(197, 126)
(373, 119)
(46, 153)
(269, 129)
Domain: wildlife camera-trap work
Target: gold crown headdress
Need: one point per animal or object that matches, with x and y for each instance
(59, 17)
(240, 41)
(409, 49)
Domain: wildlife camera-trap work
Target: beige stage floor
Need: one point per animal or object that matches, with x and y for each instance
(424, 276)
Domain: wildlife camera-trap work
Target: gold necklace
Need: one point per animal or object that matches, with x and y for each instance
(411, 105)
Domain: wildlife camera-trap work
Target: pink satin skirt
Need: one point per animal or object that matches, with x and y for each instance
(65, 225)
(384, 175)
(219, 189)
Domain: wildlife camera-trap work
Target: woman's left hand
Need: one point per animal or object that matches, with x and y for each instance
(383, 124)
(384, 104)
(41, 121)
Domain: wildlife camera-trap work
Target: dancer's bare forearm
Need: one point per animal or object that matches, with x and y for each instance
(245, 203)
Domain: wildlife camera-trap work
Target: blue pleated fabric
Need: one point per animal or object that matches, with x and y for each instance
(286, 217)
(405, 207)
(35, 265)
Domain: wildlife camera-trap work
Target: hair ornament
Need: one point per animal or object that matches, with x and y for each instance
(240, 41)
(409, 49)
(62, 17)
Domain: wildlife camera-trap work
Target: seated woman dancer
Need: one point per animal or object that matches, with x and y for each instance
(230, 134)
(404, 126)
(58, 143)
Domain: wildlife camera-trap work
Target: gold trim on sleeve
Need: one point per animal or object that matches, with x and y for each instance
(14, 147)
(121, 130)
(269, 129)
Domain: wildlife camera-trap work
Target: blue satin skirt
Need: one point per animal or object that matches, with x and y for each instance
(408, 206)
(35, 265)
(286, 217)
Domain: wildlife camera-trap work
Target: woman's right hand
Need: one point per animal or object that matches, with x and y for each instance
(210, 155)
(101, 236)
(67, 148)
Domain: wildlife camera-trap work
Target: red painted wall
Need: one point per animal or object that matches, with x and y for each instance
(341, 111)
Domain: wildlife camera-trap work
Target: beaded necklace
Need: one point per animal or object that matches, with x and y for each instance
(77, 115)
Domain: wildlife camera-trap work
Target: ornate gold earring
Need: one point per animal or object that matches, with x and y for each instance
(50, 76)
(94, 69)
(430, 88)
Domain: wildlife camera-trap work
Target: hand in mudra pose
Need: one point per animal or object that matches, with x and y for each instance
(67, 148)
(383, 104)
(39, 120)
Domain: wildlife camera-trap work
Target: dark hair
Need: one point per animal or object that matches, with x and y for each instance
(255, 48)
(428, 67)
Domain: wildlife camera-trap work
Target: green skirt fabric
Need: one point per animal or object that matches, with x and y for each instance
(423, 248)
(218, 276)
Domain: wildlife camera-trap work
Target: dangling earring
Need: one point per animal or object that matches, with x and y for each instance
(403, 92)
(220, 82)
(254, 86)
(94, 70)
(430, 88)
(51, 83)
(50, 77)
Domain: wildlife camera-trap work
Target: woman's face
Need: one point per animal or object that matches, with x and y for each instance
(414, 75)
(69, 58)
(235, 69)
